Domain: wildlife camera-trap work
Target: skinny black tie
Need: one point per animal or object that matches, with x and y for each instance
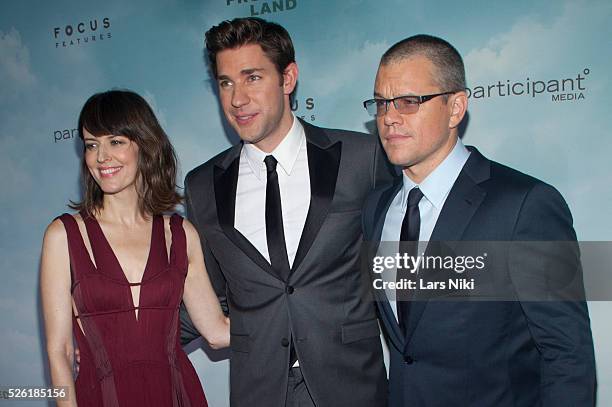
(409, 238)
(275, 234)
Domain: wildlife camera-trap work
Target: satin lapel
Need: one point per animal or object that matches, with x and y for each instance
(226, 180)
(382, 301)
(323, 165)
(462, 203)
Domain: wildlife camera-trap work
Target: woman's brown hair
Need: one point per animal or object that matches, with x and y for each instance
(125, 113)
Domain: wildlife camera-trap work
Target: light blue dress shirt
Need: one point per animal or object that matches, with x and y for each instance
(435, 188)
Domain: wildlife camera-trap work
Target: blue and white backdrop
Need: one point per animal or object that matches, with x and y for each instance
(539, 74)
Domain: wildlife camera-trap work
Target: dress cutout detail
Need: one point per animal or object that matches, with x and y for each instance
(126, 360)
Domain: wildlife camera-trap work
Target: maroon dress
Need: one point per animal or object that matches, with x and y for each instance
(125, 361)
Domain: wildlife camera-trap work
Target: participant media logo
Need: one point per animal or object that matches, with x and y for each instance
(571, 88)
(64, 134)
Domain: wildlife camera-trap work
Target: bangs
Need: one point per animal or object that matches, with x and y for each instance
(105, 114)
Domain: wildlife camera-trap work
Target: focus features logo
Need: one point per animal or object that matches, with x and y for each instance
(560, 90)
(82, 32)
(304, 108)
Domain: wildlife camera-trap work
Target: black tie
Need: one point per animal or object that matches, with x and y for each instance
(409, 244)
(275, 234)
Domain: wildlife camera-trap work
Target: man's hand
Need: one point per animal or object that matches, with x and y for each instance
(77, 360)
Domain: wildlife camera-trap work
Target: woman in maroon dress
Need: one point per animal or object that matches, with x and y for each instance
(114, 274)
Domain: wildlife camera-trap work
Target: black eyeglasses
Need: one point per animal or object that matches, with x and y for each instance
(403, 104)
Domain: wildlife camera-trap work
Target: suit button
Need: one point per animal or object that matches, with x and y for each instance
(289, 289)
(285, 342)
(408, 359)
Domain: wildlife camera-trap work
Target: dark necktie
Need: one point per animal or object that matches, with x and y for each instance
(275, 234)
(409, 238)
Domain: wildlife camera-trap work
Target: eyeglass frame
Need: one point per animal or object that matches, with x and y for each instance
(420, 100)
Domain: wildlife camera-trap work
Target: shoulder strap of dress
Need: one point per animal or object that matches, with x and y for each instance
(178, 248)
(80, 262)
(158, 252)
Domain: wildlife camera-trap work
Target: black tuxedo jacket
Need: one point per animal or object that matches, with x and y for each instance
(491, 353)
(323, 306)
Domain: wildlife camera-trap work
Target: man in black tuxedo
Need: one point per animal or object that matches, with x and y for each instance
(518, 352)
(279, 217)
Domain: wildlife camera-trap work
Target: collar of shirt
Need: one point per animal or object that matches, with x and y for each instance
(438, 184)
(286, 153)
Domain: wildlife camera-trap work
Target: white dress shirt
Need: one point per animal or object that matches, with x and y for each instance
(294, 185)
(435, 189)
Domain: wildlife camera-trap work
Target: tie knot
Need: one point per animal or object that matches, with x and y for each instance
(414, 196)
(270, 162)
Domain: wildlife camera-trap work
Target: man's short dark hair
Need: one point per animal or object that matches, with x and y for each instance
(273, 39)
(450, 75)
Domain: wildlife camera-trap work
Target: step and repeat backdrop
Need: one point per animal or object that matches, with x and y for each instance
(539, 83)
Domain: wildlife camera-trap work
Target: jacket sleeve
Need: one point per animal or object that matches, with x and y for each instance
(547, 275)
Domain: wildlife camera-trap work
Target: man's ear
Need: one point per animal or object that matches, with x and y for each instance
(458, 106)
(290, 76)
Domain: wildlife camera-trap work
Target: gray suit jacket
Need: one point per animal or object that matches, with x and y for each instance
(324, 306)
